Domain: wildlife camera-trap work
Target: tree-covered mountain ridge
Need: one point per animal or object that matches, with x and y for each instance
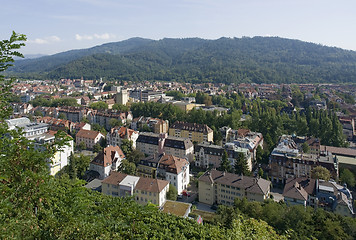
(227, 60)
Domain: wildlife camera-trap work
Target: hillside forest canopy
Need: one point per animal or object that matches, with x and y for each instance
(225, 60)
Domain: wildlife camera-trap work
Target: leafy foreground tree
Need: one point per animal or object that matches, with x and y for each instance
(35, 205)
(320, 172)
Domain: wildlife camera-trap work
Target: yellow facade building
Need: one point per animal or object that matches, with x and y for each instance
(217, 187)
(195, 132)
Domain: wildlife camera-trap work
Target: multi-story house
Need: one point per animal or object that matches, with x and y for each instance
(117, 134)
(40, 134)
(319, 193)
(288, 160)
(60, 158)
(144, 190)
(208, 155)
(119, 184)
(168, 167)
(195, 132)
(155, 124)
(233, 154)
(89, 138)
(109, 159)
(152, 143)
(300, 191)
(73, 114)
(30, 130)
(151, 190)
(175, 170)
(217, 187)
(103, 117)
(243, 138)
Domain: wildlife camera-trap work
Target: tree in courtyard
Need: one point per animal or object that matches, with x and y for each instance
(259, 154)
(113, 122)
(99, 105)
(62, 116)
(347, 177)
(135, 156)
(225, 163)
(97, 148)
(172, 193)
(241, 166)
(77, 166)
(127, 167)
(320, 172)
(305, 147)
(126, 146)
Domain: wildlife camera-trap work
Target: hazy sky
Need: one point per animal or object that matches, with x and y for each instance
(58, 25)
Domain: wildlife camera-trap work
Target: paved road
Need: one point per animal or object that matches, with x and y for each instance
(277, 194)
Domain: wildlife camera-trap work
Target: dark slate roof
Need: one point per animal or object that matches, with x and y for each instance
(170, 141)
(249, 184)
(209, 148)
(149, 138)
(299, 188)
(192, 127)
(175, 142)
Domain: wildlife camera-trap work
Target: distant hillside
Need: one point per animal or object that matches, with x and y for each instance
(258, 59)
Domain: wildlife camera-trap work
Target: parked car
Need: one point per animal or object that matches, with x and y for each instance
(187, 194)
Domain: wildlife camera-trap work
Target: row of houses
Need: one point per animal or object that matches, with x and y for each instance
(319, 193)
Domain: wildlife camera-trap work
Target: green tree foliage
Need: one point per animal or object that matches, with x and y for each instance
(228, 60)
(172, 193)
(259, 154)
(97, 148)
(115, 122)
(144, 128)
(81, 146)
(59, 102)
(305, 147)
(225, 163)
(62, 116)
(347, 177)
(135, 156)
(126, 147)
(297, 221)
(120, 107)
(127, 167)
(241, 166)
(320, 172)
(99, 128)
(77, 166)
(99, 105)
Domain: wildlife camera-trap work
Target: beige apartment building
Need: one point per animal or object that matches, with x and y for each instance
(217, 187)
(195, 132)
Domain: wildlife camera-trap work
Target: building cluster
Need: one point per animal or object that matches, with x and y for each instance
(172, 149)
(40, 134)
(319, 193)
(288, 160)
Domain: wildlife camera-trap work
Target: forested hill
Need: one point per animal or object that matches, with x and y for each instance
(257, 59)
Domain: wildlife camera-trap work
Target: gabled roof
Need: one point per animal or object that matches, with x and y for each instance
(115, 178)
(87, 134)
(249, 184)
(193, 127)
(151, 185)
(299, 188)
(123, 132)
(172, 163)
(108, 155)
